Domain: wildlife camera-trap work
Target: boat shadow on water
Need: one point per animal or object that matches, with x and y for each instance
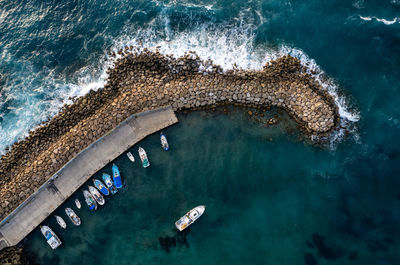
(178, 240)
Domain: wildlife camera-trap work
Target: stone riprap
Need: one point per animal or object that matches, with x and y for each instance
(147, 80)
(13, 256)
(77, 171)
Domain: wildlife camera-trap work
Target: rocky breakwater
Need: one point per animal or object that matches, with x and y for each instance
(188, 83)
(145, 80)
(14, 256)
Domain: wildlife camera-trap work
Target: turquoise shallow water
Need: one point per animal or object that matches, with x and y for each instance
(270, 198)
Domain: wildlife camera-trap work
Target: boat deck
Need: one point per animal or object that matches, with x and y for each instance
(78, 170)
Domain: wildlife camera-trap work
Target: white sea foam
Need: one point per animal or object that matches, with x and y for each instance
(387, 22)
(182, 3)
(233, 46)
(382, 20)
(230, 46)
(366, 18)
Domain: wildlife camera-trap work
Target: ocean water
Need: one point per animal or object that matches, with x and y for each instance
(271, 198)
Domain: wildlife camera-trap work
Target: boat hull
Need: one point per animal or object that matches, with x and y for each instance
(116, 177)
(90, 201)
(61, 222)
(96, 195)
(143, 157)
(77, 203)
(73, 216)
(110, 185)
(51, 237)
(101, 187)
(131, 157)
(164, 142)
(190, 217)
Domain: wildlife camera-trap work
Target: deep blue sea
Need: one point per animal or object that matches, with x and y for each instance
(271, 198)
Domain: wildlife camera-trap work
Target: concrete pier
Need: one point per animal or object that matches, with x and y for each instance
(78, 170)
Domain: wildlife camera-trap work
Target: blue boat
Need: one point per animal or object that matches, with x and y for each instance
(109, 183)
(116, 177)
(100, 186)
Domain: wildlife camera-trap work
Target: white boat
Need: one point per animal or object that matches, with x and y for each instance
(90, 201)
(61, 222)
(190, 217)
(164, 142)
(51, 237)
(96, 195)
(77, 203)
(73, 217)
(143, 157)
(130, 156)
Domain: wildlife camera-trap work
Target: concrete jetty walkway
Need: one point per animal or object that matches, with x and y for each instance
(77, 171)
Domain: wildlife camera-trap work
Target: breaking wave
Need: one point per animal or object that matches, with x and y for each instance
(234, 47)
(40, 93)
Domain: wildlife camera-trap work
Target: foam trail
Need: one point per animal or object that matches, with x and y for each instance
(382, 20)
(387, 22)
(366, 18)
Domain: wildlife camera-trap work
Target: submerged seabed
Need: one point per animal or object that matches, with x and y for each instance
(270, 198)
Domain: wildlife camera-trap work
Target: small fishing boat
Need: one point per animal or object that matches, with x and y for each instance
(96, 195)
(116, 177)
(61, 222)
(100, 186)
(143, 157)
(190, 217)
(109, 183)
(164, 142)
(90, 201)
(51, 237)
(73, 217)
(77, 203)
(130, 156)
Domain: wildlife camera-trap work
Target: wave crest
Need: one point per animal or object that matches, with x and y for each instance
(229, 45)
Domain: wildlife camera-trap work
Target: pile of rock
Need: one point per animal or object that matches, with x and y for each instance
(147, 80)
(13, 256)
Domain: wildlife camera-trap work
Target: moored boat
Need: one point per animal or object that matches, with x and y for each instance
(61, 222)
(190, 217)
(100, 186)
(77, 203)
(116, 177)
(90, 201)
(164, 142)
(51, 237)
(130, 156)
(143, 157)
(73, 216)
(96, 195)
(109, 183)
